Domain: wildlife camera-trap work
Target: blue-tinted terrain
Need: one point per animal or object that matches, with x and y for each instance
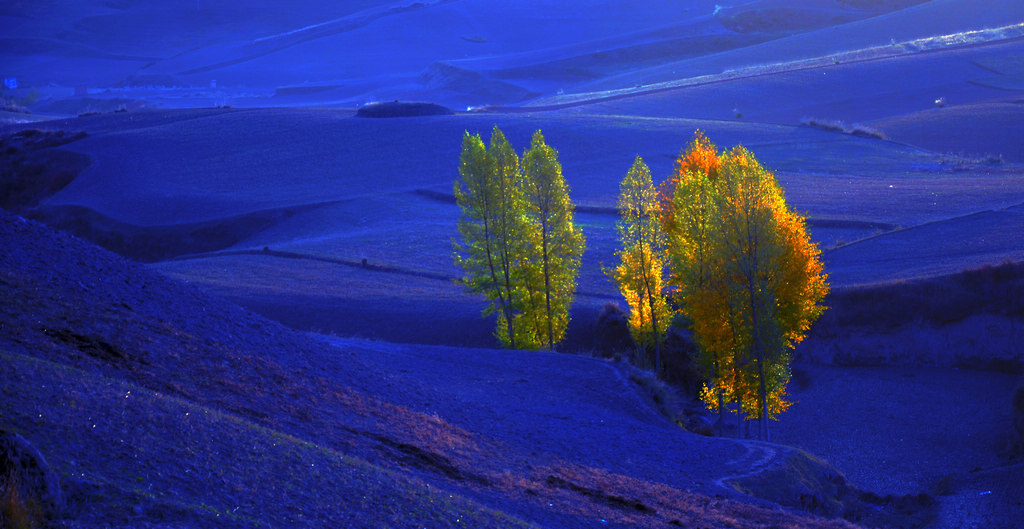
(229, 295)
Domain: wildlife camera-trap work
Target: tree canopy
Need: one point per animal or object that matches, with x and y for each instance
(749, 278)
(561, 244)
(640, 272)
(519, 246)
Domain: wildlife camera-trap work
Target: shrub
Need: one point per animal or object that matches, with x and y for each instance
(7, 105)
(29, 490)
(664, 396)
(963, 162)
(992, 289)
(862, 131)
(398, 109)
(611, 332)
(680, 362)
(824, 124)
(866, 132)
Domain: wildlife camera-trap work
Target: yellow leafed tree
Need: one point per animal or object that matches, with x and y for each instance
(496, 249)
(640, 272)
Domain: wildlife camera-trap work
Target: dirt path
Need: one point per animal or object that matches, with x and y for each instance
(759, 457)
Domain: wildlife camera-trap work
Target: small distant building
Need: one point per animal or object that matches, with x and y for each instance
(10, 83)
(213, 83)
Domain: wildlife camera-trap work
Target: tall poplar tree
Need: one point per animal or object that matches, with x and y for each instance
(513, 233)
(640, 271)
(778, 279)
(689, 216)
(558, 242)
(493, 229)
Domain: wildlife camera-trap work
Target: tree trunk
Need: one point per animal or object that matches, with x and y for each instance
(654, 327)
(506, 304)
(763, 428)
(547, 284)
(506, 264)
(721, 413)
(751, 277)
(650, 305)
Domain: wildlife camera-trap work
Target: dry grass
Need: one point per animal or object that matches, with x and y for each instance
(663, 395)
(962, 162)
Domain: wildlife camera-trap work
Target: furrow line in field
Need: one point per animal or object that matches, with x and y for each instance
(353, 263)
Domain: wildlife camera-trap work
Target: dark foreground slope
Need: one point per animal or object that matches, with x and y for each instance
(159, 405)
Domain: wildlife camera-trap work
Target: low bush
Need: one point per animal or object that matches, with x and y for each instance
(866, 132)
(7, 105)
(824, 124)
(611, 332)
(402, 109)
(680, 369)
(29, 490)
(661, 393)
(856, 129)
(31, 170)
(962, 162)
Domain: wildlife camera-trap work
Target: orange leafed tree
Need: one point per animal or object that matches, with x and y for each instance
(699, 158)
(750, 280)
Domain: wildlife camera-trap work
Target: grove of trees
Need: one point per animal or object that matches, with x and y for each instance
(749, 280)
(520, 246)
(744, 275)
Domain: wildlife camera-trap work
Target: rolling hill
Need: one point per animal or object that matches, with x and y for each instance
(219, 156)
(159, 403)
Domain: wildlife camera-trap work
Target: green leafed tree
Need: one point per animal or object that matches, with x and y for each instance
(639, 274)
(494, 254)
(558, 243)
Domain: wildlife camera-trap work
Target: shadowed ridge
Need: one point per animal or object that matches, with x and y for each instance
(402, 109)
(158, 243)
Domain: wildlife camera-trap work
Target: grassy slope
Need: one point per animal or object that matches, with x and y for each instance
(829, 176)
(128, 454)
(926, 20)
(852, 91)
(157, 403)
(922, 424)
(485, 53)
